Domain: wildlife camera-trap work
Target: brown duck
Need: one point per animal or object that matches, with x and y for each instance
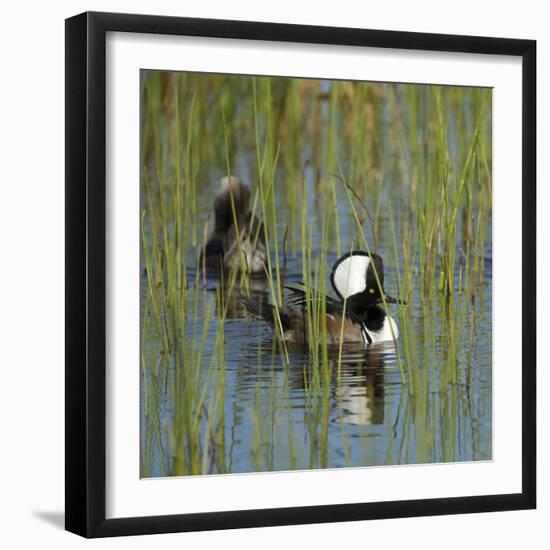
(238, 241)
(357, 315)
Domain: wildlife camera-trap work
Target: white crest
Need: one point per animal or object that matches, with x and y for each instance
(350, 275)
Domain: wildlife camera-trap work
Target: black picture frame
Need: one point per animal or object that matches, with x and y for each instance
(86, 274)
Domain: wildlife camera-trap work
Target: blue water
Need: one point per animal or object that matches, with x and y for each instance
(270, 413)
(274, 421)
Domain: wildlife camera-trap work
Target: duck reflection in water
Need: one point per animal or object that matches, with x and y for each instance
(360, 394)
(358, 398)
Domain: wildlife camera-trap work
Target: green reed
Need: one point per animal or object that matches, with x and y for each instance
(404, 171)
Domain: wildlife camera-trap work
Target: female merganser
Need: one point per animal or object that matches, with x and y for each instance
(237, 242)
(358, 315)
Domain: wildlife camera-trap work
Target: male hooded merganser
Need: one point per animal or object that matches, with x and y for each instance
(359, 307)
(237, 241)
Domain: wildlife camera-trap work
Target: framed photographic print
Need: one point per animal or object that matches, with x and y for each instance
(300, 274)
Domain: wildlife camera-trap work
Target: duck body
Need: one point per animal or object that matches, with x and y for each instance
(238, 241)
(358, 315)
(377, 327)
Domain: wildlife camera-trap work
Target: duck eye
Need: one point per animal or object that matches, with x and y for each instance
(371, 290)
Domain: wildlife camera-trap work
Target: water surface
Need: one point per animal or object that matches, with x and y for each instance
(219, 394)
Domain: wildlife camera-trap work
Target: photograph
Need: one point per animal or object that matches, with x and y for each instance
(315, 274)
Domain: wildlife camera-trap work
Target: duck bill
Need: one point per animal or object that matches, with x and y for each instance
(392, 300)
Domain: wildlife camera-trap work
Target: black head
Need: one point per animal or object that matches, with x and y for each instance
(354, 277)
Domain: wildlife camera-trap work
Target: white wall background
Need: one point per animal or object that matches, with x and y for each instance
(32, 272)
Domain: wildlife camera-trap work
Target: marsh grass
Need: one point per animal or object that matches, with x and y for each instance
(401, 170)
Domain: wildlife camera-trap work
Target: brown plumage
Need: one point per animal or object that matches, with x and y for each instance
(336, 325)
(293, 320)
(357, 315)
(237, 242)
